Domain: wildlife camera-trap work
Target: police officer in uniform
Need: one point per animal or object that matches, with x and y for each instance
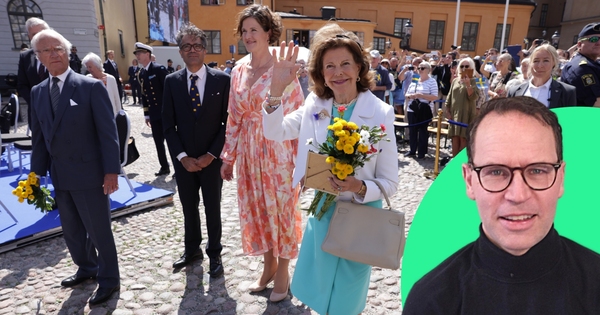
(152, 77)
(583, 71)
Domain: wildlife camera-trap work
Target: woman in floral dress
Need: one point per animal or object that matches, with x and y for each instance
(270, 223)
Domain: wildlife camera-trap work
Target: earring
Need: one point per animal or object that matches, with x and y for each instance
(325, 84)
(358, 79)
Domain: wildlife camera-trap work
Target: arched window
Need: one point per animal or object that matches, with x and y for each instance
(18, 13)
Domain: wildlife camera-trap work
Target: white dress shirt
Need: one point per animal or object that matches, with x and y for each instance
(540, 93)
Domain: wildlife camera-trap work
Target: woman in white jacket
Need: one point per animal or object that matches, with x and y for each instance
(93, 64)
(339, 68)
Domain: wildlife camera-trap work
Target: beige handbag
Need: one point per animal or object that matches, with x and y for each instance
(365, 234)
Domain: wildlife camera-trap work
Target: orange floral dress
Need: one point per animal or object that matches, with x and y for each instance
(267, 202)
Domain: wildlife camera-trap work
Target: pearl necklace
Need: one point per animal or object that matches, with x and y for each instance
(336, 104)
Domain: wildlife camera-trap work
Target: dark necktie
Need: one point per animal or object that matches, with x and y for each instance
(195, 95)
(54, 94)
(42, 72)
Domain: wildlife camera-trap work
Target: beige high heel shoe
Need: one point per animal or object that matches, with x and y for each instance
(276, 297)
(256, 287)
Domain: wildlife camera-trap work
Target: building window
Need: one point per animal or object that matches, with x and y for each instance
(213, 2)
(543, 14)
(242, 48)
(469, 36)
(245, 2)
(399, 29)
(361, 37)
(379, 44)
(19, 11)
(121, 43)
(498, 36)
(436, 34)
(214, 42)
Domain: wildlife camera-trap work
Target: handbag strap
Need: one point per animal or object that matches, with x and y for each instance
(384, 193)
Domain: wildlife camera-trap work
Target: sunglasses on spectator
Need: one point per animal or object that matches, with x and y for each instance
(592, 39)
(464, 66)
(422, 68)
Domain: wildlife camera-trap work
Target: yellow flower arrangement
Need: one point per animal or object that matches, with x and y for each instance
(347, 148)
(29, 190)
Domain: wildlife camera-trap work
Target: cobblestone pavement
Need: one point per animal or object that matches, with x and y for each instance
(149, 241)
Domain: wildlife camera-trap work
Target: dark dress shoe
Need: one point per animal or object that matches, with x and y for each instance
(163, 171)
(187, 259)
(103, 294)
(216, 267)
(74, 280)
(409, 154)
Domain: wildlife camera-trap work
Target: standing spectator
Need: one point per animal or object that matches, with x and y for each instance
(194, 126)
(74, 61)
(443, 75)
(423, 90)
(326, 283)
(303, 80)
(541, 86)
(110, 67)
(489, 65)
(583, 71)
(500, 78)
(382, 79)
(406, 75)
(522, 77)
(461, 104)
(396, 94)
(270, 222)
(170, 68)
(228, 66)
(178, 68)
(385, 63)
(152, 77)
(83, 160)
(93, 64)
(134, 84)
(31, 70)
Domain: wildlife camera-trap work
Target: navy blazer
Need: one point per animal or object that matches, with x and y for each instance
(78, 144)
(561, 94)
(183, 131)
(28, 74)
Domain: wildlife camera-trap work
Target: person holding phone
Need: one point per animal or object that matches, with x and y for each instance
(461, 104)
(489, 66)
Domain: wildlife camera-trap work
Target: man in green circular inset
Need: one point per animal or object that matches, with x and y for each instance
(518, 264)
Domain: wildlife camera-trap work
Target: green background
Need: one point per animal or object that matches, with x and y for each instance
(447, 219)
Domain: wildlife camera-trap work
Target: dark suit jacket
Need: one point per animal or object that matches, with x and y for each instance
(80, 144)
(183, 131)
(28, 74)
(152, 82)
(132, 72)
(110, 69)
(561, 94)
(444, 76)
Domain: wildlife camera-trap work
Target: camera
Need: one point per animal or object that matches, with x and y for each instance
(411, 68)
(539, 41)
(393, 53)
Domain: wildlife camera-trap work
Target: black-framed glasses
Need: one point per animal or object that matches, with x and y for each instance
(464, 66)
(497, 177)
(591, 39)
(188, 47)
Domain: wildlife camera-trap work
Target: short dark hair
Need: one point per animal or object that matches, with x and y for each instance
(522, 104)
(268, 20)
(332, 36)
(192, 30)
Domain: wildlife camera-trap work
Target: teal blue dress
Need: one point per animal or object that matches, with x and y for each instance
(326, 283)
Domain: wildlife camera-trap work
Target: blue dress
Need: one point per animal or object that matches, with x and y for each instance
(326, 283)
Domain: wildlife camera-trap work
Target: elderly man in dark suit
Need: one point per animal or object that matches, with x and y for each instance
(110, 67)
(541, 85)
(75, 138)
(194, 118)
(152, 77)
(31, 70)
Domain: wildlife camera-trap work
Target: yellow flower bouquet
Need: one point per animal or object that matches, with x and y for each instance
(347, 148)
(29, 190)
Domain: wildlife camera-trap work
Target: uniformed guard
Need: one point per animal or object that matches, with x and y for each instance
(583, 71)
(152, 77)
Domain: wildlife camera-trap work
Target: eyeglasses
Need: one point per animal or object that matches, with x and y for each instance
(422, 68)
(464, 66)
(496, 178)
(592, 39)
(188, 47)
(48, 51)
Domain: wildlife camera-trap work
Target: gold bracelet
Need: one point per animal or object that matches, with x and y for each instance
(363, 189)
